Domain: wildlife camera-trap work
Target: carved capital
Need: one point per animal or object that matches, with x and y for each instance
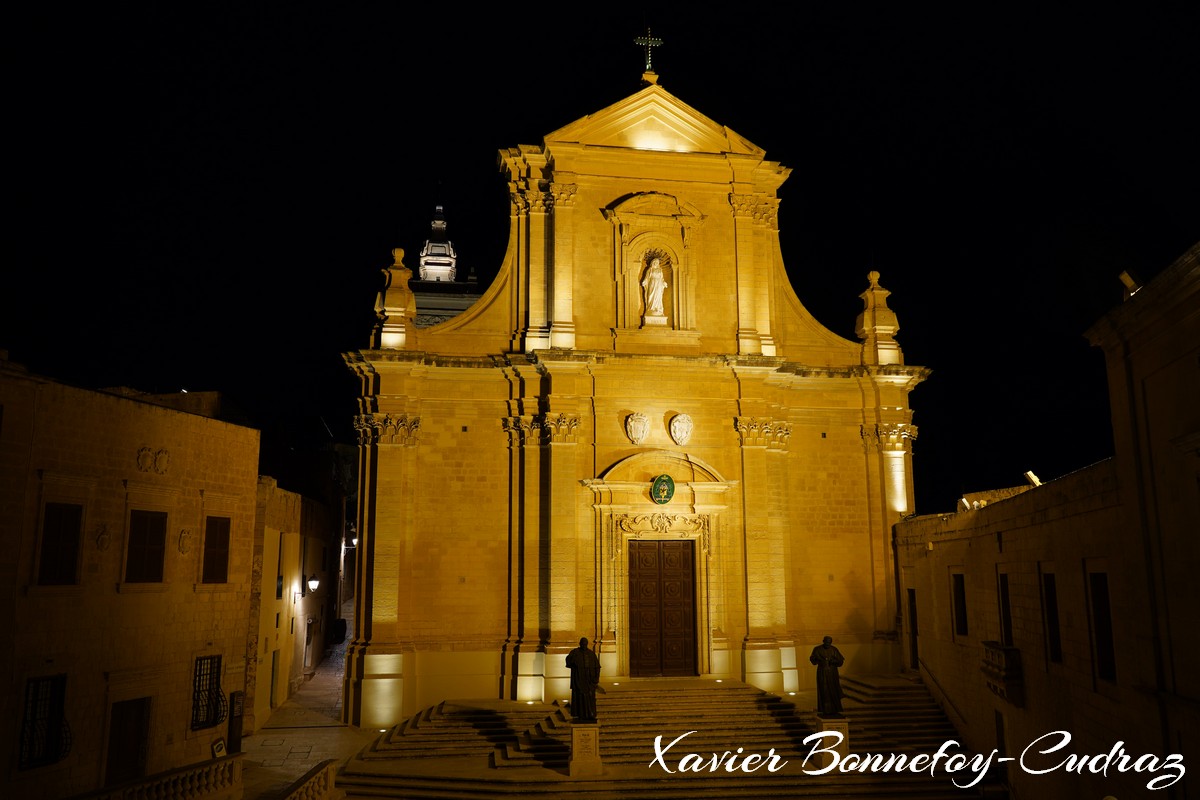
(559, 429)
(757, 432)
(364, 430)
(743, 204)
(543, 429)
(751, 430)
(896, 435)
(523, 430)
(563, 194)
(893, 436)
(768, 212)
(376, 429)
(760, 208)
(779, 435)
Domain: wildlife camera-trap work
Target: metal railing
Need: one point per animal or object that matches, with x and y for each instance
(941, 695)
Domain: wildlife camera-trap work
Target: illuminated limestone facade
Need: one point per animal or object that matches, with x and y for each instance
(638, 434)
(290, 622)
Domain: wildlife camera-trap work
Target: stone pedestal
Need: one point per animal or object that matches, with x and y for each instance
(585, 750)
(838, 724)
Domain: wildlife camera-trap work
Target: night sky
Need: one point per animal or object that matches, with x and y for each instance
(204, 195)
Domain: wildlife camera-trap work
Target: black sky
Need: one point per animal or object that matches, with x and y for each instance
(205, 194)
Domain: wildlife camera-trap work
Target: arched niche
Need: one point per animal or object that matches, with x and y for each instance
(646, 226)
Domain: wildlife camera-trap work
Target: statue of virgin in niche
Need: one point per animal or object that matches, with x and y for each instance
(654, 285)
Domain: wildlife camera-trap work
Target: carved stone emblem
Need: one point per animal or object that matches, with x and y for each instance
(637, 426)
(681, 429)
(662, 489)
(149, 460)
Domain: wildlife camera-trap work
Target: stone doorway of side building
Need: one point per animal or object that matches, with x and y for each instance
(662, 608)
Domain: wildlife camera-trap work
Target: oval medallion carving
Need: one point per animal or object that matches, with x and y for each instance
(681, 429)
(637, 426)
(662, 490)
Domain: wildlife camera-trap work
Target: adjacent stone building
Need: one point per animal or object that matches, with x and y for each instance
(1073, 605)
(638, 434)
(293, 610)
(127, 548)
(165, 596)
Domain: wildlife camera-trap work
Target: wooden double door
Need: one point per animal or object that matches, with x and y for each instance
(662, 608)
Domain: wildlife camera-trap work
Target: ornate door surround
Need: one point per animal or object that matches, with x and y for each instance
(623, 512)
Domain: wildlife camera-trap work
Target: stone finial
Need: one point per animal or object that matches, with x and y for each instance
(394, 305)
(877, 325)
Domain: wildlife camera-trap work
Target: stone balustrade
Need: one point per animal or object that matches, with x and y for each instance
(317, 784)
(219, 779)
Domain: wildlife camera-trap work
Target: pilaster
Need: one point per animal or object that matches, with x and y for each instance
(562, 271)
(765, 566)
(375, 691)
(748, 273)
(888, 449)
(537, 328)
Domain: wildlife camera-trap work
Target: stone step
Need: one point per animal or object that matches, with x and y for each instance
(671, 787)
(639, 750)
(502, 748)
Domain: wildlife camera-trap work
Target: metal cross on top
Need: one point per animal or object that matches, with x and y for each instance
(648, 42)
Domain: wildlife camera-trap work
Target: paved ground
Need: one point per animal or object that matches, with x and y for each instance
(302, 733)
(307, 730)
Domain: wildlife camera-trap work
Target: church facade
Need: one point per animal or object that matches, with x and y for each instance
(638, 434)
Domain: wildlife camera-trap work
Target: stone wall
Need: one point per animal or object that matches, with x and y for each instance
(117, 639)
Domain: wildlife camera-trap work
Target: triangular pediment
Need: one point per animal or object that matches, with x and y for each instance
(654, 119)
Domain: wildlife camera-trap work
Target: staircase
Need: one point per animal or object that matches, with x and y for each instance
(495, 748)
(894, 714)
(723, 718)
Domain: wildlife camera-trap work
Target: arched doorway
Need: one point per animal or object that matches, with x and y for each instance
(662, 566)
